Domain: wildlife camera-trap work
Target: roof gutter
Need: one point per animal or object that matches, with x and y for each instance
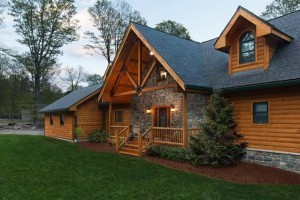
(197, 87)
(262, 85)
(55, 110)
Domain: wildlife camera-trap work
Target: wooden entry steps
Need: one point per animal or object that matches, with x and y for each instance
(130, 148)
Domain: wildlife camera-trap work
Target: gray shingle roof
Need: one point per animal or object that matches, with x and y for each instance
(200, 65)
(72, 98)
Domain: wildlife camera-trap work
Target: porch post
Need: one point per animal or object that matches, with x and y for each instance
(185, 133)
(109, 118)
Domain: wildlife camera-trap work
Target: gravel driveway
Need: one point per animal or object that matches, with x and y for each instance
(21, 132)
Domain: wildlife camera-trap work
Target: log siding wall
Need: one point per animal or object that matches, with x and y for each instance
(282, 133)
(57, 130)
(89, 116)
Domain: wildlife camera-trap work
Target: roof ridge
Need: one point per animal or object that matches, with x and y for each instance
(85, 87)
(284, 15)
(205, 41)
(165, 32)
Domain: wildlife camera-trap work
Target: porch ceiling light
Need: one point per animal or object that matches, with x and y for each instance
(172, 108)
(148, 110)
(151, 53)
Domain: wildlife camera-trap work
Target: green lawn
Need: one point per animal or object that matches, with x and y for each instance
(35, 167)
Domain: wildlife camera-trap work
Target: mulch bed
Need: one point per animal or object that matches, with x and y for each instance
(240, 173)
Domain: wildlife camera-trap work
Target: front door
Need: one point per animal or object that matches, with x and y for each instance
(162, 117)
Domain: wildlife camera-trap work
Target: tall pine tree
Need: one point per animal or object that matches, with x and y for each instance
(217, 141)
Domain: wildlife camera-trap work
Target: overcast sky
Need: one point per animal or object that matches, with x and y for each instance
(204, 19)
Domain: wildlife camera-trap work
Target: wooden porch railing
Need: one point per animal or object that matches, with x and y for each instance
(144, 140)
(115, 129)
(192, 131)
(122, 136)
(166, 135)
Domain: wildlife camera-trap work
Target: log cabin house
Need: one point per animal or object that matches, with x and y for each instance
(77, 109)
(159, 84)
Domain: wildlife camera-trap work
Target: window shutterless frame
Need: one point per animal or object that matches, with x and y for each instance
(51, 119)
(118, 116)
(260, 113)
(62, 119)
(247, 48)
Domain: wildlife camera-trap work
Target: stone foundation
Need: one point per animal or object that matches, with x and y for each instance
(282, 160)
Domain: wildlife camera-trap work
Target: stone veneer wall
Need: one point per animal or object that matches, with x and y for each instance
(286, 161)
(195, 109)
(166, 97)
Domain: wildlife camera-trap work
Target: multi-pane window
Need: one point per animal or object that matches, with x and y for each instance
(62, 119)
(247, 48)
(260, 113)
(51, 119)
(118, 116)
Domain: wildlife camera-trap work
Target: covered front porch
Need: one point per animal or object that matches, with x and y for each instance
(147, 98)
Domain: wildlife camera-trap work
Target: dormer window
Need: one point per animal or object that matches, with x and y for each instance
(247, 48)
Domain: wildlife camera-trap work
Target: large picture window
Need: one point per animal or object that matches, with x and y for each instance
(260, 113)
(247, 48)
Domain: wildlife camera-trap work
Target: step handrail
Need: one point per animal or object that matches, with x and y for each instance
(144, 140)
(124, 137)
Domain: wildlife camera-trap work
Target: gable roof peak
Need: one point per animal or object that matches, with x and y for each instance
(263, 28)
(135, 23)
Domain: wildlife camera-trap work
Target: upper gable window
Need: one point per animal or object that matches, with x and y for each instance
(247, 48)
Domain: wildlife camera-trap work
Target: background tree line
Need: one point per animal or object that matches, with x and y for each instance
(45, 26)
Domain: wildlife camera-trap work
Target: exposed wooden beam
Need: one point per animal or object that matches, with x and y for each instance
(149, 89)
(125, 85)
(116, 83)
(149, 73)
(129, 57)
(185, 133)
(131, 79)
(111, 68)
(119, 99)
(109, 117)
(136, 61)
(125, 63)
(139, 63)
(125, 93)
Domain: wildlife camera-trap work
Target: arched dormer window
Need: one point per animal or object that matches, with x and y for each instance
(247, 48)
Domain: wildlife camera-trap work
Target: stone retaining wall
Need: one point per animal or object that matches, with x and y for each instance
(284, 161)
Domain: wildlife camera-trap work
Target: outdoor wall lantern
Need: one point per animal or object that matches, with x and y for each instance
(148, 110)
(151, 53)
(172, 108)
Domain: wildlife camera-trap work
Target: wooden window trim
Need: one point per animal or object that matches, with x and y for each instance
(269, 113)
(51, 119)
(115, 119)
(62, 119)
(238, 49)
